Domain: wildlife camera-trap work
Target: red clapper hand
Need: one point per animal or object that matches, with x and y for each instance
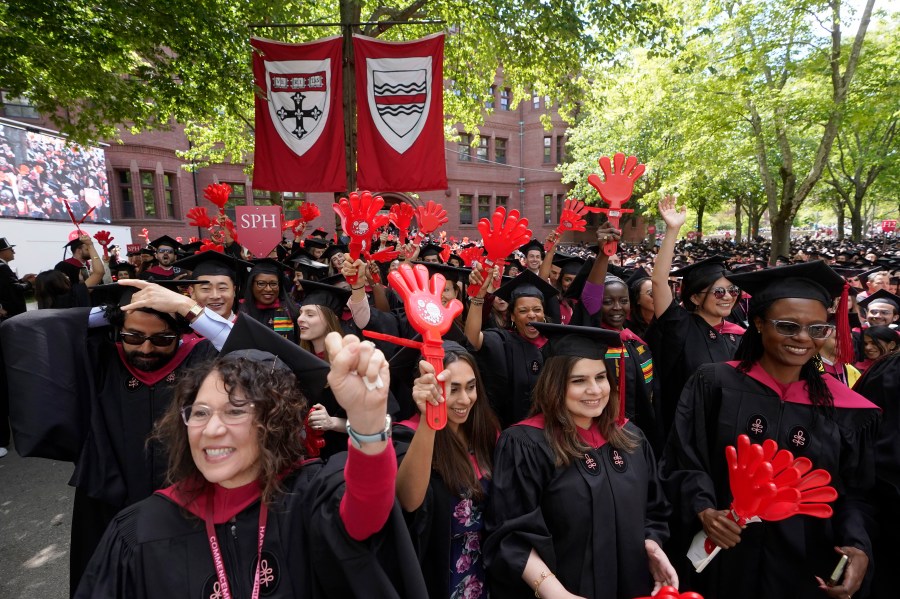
(571, 219)
(502, 234)
(104, 238)
(616, 189)
(385, 255)
(429, 217)
(668, 592)
(308, 212)
(359, 216)
(198, 216)
(314, 440)
(432, 320)
(402, 215)
(471, 254)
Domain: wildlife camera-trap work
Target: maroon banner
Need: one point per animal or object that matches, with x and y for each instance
(259, 228)
(299, 143)
(400, 114)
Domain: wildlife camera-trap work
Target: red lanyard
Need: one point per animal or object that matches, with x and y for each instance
(224, 589)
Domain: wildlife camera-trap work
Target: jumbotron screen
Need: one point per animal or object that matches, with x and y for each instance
(41, 174)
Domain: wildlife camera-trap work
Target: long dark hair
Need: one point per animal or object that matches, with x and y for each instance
(634, 293)
(884, 334)
(451, 451)
(279, 408)
(752, 349)
(549, 399)
(699, 282)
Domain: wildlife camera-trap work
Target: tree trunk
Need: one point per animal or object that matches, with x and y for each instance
(737, 218)
(350, 13)
(841, 221)
(856, 224)
(781, 239)
(700, 210)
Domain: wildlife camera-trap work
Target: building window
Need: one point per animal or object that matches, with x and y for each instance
(290, 204)
(148, 192)
(536, 101)
(547, 103)
(492, 92)
(169, 194)
(127, 193)
(548, 209)
(500, 150)
(465, 209)
(484, 207)
(548, 141)
(481, 152)
(504, 98)
(238, 197)
(560, 149)
(501, 201)
(17, 106)
(465, 147)
(560, 199)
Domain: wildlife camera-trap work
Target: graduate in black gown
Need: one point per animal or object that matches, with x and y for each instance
(684, 337)
(511, 358)
(89, 393)
(444, 476)
(774, 390)
(245, 515)
(266, 298)
(576, 509)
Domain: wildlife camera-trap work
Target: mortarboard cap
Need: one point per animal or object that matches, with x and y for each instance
(315, 242)
(527, 284)
(451, 273)
(709, 265)
(882, 296)
(309, 266)
(317, 293)
(165, 240)
(431, 249)
(212, 263)
(319, 232)
(338, 248)
(534, 244)
(637, 275)
(570, 265)
(268, 266)
(120, 295)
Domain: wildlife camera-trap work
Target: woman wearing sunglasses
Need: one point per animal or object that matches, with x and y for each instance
(685, 336)
(246, 515)
(775, 390)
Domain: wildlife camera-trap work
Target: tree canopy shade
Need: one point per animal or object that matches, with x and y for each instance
(95, 65)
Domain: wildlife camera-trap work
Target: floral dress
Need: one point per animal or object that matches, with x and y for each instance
(467, 576)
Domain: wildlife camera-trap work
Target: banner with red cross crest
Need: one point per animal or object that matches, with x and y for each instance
(299, 137)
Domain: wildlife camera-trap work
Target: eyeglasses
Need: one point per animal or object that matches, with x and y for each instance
(792, 329)
(198, 414)
(719, 292)
(266, 284)
(165, 251)
(159, 340)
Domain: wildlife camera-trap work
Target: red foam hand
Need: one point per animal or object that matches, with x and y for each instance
(209, 245)
(199, 217)
(104, 238)
(503, 233)
(668, 592)
(289, 225)
(619, 178)
(385, 255)
(422, 298)
(193, 239)
(314, 440)
(471, 254)
(749, 476)
(145, 233)
(430, 217)
(402, 215)
(381, 221)
(218, 193)
(358, 219)
(309, 212)
(445, 253)
(229, 224)
(572, 217)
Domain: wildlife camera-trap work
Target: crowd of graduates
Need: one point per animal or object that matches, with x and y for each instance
(246, 426)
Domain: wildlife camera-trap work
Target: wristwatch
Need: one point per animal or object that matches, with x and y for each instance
(195, 311)
(358, 439)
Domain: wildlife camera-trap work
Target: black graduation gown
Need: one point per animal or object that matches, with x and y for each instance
(76, 401)
(641, 389)
(158, 273)
(509, 365)
(774, 559)
(881, 385)
(588, 521)
(681, 342)
(154, 549)
(12, 291)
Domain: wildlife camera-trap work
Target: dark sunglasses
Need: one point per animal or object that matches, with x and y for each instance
(791, 329)
(719, 292)
(159, 340)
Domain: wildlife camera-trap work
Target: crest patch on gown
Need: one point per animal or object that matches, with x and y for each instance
(757, 426)
(798, 439)
(617, 461)
(132, 384)
(590, 464)
(269, 573)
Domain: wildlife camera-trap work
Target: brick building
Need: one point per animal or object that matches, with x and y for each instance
(512, 163)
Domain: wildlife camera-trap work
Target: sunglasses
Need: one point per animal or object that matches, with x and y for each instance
(792, 329)
(165, 251)
(719, 292)
(159, 340)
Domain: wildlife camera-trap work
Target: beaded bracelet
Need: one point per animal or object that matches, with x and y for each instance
(476, 301)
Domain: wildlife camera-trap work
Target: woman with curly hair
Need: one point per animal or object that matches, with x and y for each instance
(444, 476)
(245, 515)
(775, 390)
(576, 509)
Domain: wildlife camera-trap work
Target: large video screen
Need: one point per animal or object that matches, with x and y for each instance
(40, 174)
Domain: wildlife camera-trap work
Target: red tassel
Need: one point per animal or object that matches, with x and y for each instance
(844, 341)
(621, 420)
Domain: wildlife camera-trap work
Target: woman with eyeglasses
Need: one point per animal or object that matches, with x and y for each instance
(775, 390)
(685, 336)
(247, 515)
(266, 298)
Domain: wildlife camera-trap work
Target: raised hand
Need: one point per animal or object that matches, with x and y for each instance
(430, 217)
(427, 387)
(670, 214)
(501, 235)
(619, 178)
(359, 378)
(422, 298)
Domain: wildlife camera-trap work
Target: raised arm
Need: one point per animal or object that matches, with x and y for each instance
(674, 219)
(592, 294)
(474, 317)
(547, 262)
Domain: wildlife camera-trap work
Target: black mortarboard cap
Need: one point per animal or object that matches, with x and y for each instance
(320, 294)
(527, 284)
(120, 295)
(315, 242)
(636, 276)
(451, 273)
(189, 249)
(309, 266)
(146, 252)
(212, 263)
(882, 296)
(570, 265)
(533, 244)
(332, 250)
(431, 249)
(268, 266)
(319, 232)
(865, 274)
(807, 280)
(581, 342)
(711, 264)
(165, 240)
